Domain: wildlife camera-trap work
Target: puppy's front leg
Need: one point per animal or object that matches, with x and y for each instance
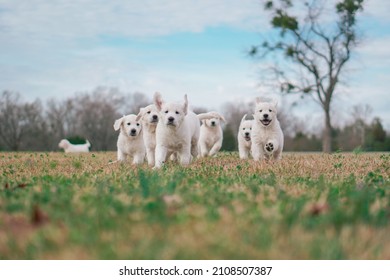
(217, 146)
(161, 155)
(138, 158)
(203, 149)
(185, 156)
(150, 156)
(244, 153)
(257, 152)
(271, 146)
(121, 156)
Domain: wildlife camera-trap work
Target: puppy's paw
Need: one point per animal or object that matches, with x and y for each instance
(269, 147)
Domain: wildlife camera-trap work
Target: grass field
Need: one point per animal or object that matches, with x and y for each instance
(307, 206)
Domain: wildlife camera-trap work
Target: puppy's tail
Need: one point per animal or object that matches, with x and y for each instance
(87, 143)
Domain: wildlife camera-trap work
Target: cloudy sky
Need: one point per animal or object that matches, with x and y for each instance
(58, 47)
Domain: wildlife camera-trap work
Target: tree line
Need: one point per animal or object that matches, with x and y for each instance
(38, 126)
(35, 126)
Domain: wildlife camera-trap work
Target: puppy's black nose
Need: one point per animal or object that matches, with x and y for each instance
(154, 117)
(171, 119)
(265, 116)
(246, 133)
(133, 131)
(212, 123)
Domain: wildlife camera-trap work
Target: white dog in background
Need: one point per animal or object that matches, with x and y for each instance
(149, 119)
(74, 148)
(244, 138)
(211, 134)
(177, 131)
(267, 136)
(130, 141)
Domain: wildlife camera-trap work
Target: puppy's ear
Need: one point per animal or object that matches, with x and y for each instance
(275, 103)
(118, 123)
(222, 118)
(140, 114)
(243, 118)
(258, 99)
(201, 116)
(157, 100)
(185, 109)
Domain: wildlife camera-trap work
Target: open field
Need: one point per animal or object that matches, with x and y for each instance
(308, 206)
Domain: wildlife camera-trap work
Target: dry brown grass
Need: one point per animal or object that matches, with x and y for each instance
(307, 206)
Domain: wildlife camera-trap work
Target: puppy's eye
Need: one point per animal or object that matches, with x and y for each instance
(243, 129)
(137, 124)
(270, 110)
(261, 111)
(128, 123)
(177, 112)
(149, 112)
(166, 112)
(250, 128)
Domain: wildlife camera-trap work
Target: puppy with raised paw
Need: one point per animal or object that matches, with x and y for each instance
(267, 136)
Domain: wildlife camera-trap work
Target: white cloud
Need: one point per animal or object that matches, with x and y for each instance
(379, 9)
(90, 18)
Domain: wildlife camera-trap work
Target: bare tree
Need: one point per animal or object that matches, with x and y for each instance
(97, 111)
(360, 115)
(21, 123)
(12, 121)
(62, 119)
(234, 111)
(316, 50)
(133, 102)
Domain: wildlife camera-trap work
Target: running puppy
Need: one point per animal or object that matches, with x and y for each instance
(244, 138)
(267, 136)
(130, 141)
(74, 148)
(177, 131)
(149, 118)
(211, 135)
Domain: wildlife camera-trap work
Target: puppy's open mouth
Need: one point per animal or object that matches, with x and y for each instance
(247, 138)
(154, 121)
(133, 134)
(266, 122)
(171, 124)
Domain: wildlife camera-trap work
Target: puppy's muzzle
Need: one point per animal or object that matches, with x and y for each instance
(212, 123)
(265, 121)
(154, 119)
(133, 132)
(247, 136)
(171, 121)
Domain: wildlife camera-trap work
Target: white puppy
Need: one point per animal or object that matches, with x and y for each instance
(244, 138)
(130, 141)
(211, 134)
(74, 148)
(177, 131)
(149, 119)
(267, 136)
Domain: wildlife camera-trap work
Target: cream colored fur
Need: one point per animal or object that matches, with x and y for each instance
(130, 141)
(267, 136)
(177, 131)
